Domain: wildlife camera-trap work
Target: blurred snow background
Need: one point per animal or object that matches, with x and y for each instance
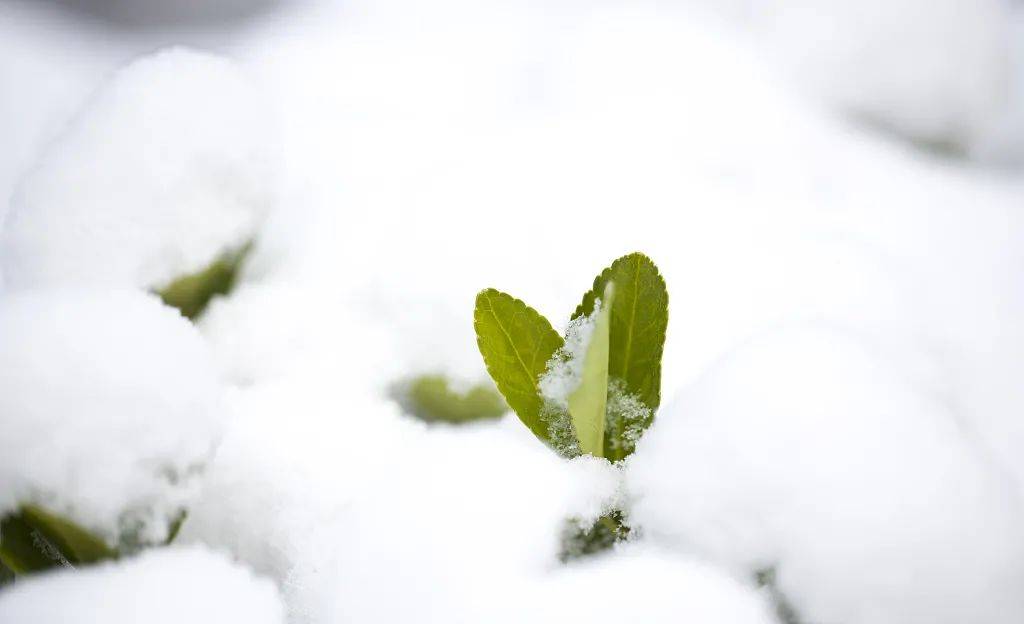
(831, 189)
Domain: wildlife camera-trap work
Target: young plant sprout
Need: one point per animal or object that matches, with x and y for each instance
(593, 391)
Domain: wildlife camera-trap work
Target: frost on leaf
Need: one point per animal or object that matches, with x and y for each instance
(626, 416)
(565, 368)
(562, 378)
(627, 419)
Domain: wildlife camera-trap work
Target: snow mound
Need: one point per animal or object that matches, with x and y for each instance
(293, 452)
(348, 505)
(453, 527)
(808, 452)
(168, 167)
(638, 584)
(109, 408)
(933, 70)
(167, 586)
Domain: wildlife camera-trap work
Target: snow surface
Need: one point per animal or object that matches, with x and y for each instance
(644, 585)
(161, 587)
(844, 341)
(933, 70)
(168, 167)
(809, 451)
(111, 409)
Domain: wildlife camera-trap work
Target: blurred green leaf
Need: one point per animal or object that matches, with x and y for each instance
(587, 402)
(81, 545)
(432, 399)
(23, 549)
(516, 343)
(784, 610)
(192, 293)
(175, 527)
(6, 575)
(34, 539)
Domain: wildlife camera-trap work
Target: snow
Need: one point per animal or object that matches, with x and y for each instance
(168, 167)
(809, 451)
(397, 501)
(844, 345)
(160, 587)
(565, 368)
(111, 409)
(452, 507)
(644, 585)
(935, 71)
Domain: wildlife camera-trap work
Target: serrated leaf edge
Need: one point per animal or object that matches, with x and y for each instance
(488, 292)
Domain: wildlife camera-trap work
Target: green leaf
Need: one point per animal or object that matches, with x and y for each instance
(192, 293)
(34, 539)
(81, 545)
(639, 318)
(23, 550)
(432, 399)
(516, 343)
(587, 402)
(175, 527)
(6, 575)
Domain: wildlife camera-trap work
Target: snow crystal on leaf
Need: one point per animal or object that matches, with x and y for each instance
(561, 379)
(627, 419)
(564, 369)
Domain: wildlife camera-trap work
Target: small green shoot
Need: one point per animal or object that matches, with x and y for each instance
(618, 388)
(611, 358)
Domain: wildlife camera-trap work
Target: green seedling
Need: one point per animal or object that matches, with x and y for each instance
(595, 390)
